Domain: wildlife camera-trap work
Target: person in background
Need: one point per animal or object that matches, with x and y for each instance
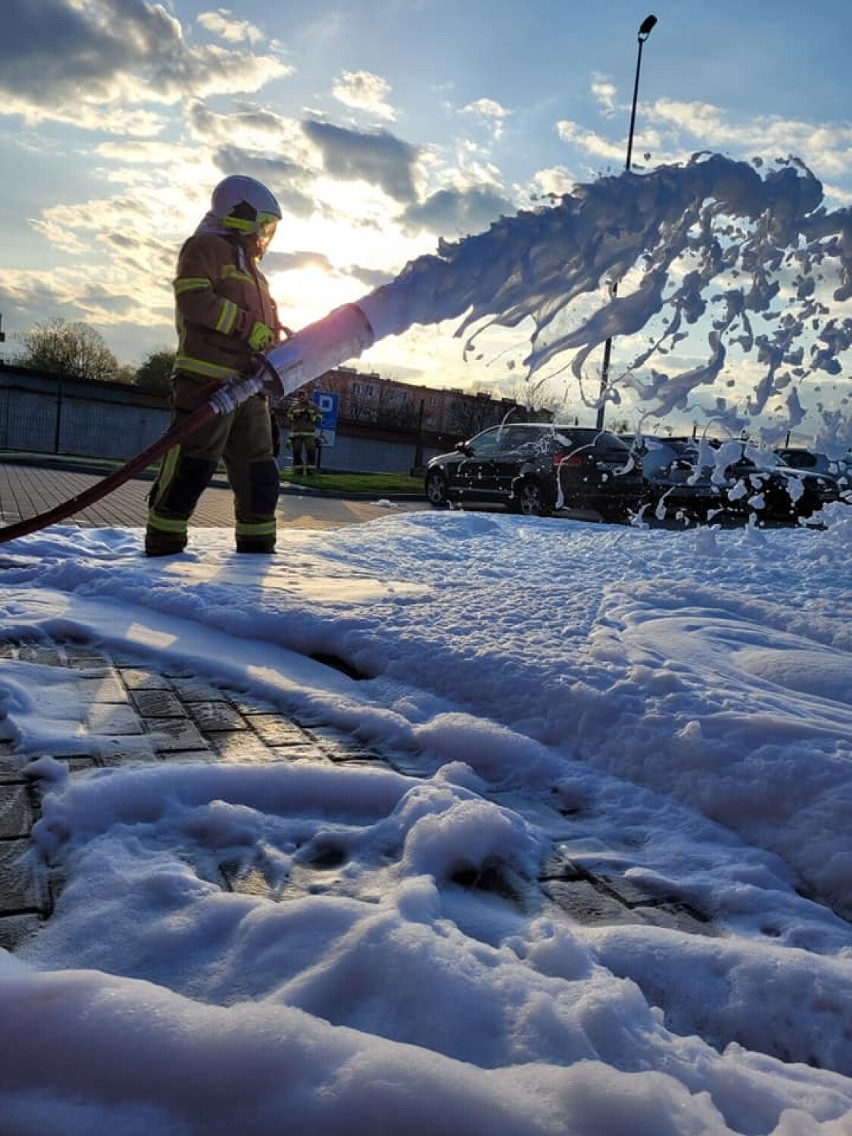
(303, 418)
(224, 317)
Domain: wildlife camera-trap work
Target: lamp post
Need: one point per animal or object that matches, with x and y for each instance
(644, 31)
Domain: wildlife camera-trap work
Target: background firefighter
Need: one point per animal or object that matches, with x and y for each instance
(303, 418)
(224, 315)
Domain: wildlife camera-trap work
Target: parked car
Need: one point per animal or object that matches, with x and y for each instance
(700, 479)
(758, 481)
(676, 483)
(799, 458)
(536, 468)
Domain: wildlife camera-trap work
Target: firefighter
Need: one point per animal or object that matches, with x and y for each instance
(303, 417)
(224, 316)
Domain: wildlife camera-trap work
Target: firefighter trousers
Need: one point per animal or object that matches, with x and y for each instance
(243, 440)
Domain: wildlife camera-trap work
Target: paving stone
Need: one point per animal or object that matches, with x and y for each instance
(103, 688)
(16, 815)
(676, 917)
(197, 690)
(110, 718)
(411, 765)
(47, 655)
(358, 757)
(10, 768)
(585, 904)
(250, 882)
(251, 705)
(18, 891)
(215, 717)
(187, 756)
(158, 704)
(171, 735)
(629, 893)
(338, 746)
(278, 731)
(85, 657)
(135, 678)
(291, 753)
(241, 745)
(80, 764)
(16, 929)
(126, 749)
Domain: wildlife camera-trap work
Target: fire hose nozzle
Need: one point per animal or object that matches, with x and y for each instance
(343, 334)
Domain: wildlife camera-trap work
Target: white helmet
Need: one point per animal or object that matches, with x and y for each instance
(246, 206)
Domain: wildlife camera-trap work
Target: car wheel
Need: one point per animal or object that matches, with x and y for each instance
(530, 499)
(436, 488)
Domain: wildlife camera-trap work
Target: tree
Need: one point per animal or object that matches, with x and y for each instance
(72, 349)
(154, 373)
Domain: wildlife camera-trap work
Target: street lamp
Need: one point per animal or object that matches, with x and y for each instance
(644, 31)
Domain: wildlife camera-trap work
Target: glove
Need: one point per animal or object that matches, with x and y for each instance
(261, 337)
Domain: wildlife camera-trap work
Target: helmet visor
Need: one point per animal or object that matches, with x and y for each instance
(266, 226)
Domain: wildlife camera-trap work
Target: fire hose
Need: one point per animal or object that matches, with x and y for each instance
(343, 334)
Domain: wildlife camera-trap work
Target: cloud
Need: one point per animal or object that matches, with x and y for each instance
(363, 90)
(671, 130)
(224, 24)
(485, 108)
(553, 182)
(604, 91)
(93, 64)
(455, 212)
(590, 141)
(489, 113)
(272, 148)
(295, 261)
(827, 149)
(377, 158)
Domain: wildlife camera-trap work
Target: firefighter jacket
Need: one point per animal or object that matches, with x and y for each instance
(303, 417)
(220, 294)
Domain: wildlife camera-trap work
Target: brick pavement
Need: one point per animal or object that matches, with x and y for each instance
(140, 715)
(28, 490)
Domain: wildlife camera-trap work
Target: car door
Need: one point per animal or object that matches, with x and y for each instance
(521, 447)
(475, 476)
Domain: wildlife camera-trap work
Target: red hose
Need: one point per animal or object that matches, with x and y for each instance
(176, 433)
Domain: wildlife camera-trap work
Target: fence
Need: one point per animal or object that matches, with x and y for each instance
(52, 415)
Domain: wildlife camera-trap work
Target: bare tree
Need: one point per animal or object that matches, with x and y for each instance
(72, 349)
(396, 407)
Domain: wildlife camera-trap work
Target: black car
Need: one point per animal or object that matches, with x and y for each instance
(676, 484)
(757, 481)
(536, 468)
(702, 480)
(838, 468)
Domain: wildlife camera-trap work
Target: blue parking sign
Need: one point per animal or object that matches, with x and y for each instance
(327, 425)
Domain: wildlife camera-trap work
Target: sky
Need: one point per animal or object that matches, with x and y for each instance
(669, 710)
(383, 127)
